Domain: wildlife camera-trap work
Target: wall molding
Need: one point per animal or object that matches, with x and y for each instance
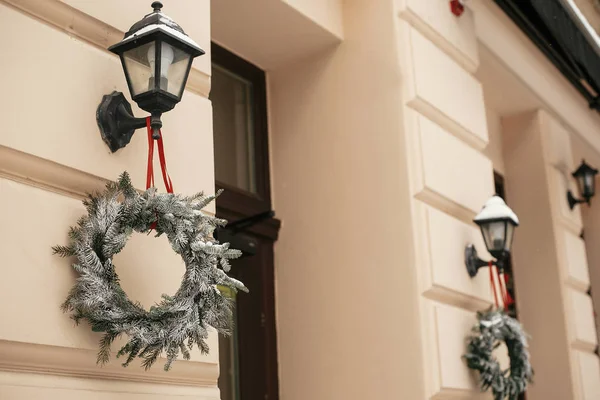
(414, 19)
(44, 386)
(583, 346)
(81, 363)
(455, 298)
(91, 30)
(570, 225)
(459, 394)
(442, 203)
(577, 284)
(47, 175)
(51, 176)
(447, 123)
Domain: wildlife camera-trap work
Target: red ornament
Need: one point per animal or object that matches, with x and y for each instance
(457, 7)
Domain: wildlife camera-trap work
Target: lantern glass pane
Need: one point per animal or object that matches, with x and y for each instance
(580, 184)
(138, 70)
(177, 71)
(588, 185)
(510, 229)
(494, 235)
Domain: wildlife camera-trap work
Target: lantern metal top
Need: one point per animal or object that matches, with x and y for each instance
(584, 169)
(156, 23)
(495, 209)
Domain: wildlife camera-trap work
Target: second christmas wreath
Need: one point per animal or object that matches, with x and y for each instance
(493, 328)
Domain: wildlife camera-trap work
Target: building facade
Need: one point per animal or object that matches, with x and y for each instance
(386, 126)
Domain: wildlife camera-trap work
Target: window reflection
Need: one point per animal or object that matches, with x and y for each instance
(233, 127)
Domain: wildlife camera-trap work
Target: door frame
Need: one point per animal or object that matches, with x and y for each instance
(234, 199)
(234, 204)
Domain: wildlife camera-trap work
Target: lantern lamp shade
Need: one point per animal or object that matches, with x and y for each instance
(157, 56)
(586, 180)
(497, 223)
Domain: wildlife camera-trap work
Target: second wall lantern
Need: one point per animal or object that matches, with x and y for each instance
(586, 181)
(156, 56)
(497, 223)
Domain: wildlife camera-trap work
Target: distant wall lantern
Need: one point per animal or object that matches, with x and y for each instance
(156, 55)
(586, 181)
(497, 222)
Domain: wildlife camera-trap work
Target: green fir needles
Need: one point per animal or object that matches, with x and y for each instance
(493, 328)
(178, 322)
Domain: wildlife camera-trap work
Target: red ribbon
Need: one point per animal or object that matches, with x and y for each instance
(161, 156)
(163, 163)
(506, 297)
(493, 282)
(507, 300)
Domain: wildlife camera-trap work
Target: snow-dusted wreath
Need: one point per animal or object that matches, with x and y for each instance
(493, 328)
(178, 321)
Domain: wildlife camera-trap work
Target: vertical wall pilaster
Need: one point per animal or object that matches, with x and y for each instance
(347, 301)
(446, 131)
(552, 277)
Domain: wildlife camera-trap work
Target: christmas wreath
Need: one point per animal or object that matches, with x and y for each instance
(493, 328)
(178, 322)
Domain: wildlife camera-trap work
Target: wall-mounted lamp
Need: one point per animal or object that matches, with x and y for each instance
(156, 55)
(497, 222)
(586, 181)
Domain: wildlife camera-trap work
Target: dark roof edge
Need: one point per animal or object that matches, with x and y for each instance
(542, 42)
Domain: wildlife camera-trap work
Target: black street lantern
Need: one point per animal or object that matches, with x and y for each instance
(157, 56)
(497, 223)
(586, 180)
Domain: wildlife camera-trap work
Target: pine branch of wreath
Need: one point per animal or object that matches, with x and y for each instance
(176, 323)
(493, 328)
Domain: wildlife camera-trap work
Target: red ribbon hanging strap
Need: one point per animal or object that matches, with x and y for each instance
(501, 287)
(506, 297)
(493, 283)
(150, 168)
(502, 278)
(161, 156)
(163, 163)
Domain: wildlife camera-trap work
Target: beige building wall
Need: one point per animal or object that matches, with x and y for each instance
(383, 148)
(346, 292)
(55, 70)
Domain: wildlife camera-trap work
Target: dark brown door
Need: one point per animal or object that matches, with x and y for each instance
(249, 357)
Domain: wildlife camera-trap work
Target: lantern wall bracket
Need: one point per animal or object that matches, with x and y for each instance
(573, 201)
(117, 123)
(474, 263)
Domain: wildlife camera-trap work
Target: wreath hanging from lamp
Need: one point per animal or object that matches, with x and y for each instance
(178, 322)
(157, 56)
(494, 326)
